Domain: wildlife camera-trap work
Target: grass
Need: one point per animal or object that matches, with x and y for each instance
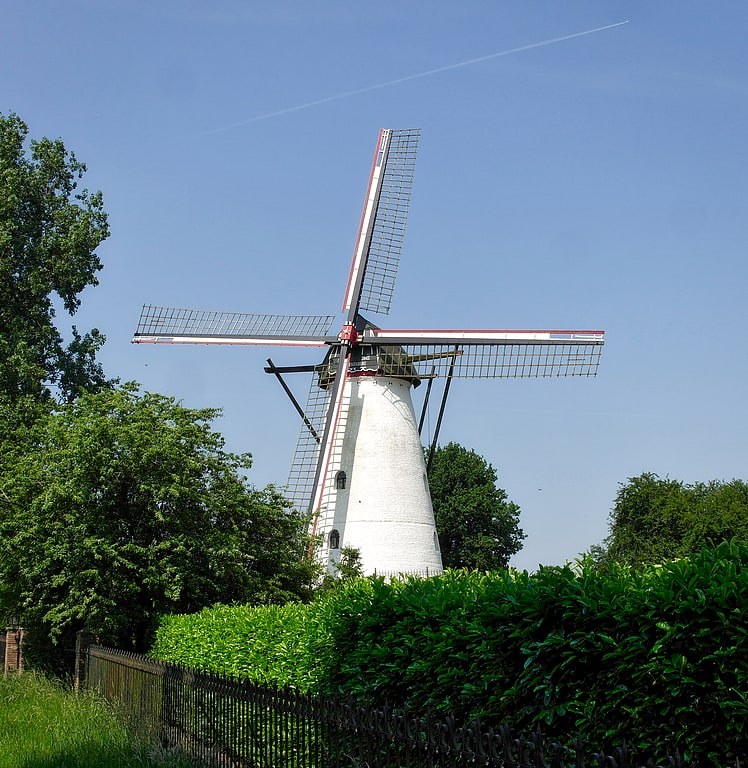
(43, 724)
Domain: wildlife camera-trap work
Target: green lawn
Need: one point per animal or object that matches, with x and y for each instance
(44, 725)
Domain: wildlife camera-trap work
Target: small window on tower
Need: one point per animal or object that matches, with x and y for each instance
(334, 539)
(340, 479)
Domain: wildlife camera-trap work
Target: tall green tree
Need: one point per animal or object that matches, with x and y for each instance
(128, 507)
(478, 526)
(49, 233)
(657, 519)
(647, 523)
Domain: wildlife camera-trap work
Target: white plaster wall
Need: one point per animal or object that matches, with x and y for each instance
(385, 510)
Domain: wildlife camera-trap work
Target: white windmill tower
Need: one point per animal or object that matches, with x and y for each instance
(359, 465)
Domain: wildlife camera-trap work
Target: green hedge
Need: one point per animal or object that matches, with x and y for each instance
(267, 644)
(657, 656)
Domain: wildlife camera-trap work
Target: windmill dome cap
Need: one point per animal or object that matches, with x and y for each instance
(370, 358)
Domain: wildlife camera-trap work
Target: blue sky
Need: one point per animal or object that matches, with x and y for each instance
(596, 182)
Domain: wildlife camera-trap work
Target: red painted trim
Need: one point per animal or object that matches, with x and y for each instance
(319, 491)
(361, 223)
(264, 342)
(381, 331)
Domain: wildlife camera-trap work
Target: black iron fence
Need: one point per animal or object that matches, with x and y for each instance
(230, 723)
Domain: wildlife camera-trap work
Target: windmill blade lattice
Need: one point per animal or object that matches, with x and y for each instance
(302, 473)
(171, 324)
(388, 231)
(493, 361)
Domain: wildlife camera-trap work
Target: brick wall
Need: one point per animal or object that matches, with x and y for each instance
(13, 655)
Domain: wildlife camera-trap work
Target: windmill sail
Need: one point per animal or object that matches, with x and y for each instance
(358, 465)
(171, 325)
(377, 255)
(300, 486)
(491, 354)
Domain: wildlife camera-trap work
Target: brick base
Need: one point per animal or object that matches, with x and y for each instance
(13, 661)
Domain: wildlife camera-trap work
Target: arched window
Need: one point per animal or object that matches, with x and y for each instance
(340, 479)
(334, 539)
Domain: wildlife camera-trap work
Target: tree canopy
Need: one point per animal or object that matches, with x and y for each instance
(49, 232)
(654, 519)
(122, 506)
(115, 506)
(478, 526)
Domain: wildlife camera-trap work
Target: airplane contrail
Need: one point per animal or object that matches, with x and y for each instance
(408, 78)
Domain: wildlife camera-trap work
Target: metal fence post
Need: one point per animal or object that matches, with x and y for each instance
(83, 640)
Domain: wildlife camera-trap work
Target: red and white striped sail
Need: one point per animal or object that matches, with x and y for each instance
(371, 281)
(171, 325)
(359, 465)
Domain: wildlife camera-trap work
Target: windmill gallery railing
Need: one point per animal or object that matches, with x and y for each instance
(224, 722)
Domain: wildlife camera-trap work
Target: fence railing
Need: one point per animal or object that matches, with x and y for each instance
(229, 723)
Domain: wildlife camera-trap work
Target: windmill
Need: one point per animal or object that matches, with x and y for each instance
(359, 466)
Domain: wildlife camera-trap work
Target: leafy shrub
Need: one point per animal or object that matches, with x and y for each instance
(657, 656)
(289, 644)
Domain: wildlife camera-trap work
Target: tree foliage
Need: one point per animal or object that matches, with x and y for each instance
(347, 568)
(122, 506)
(49, 232)
(654, 519)
(478, 526)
